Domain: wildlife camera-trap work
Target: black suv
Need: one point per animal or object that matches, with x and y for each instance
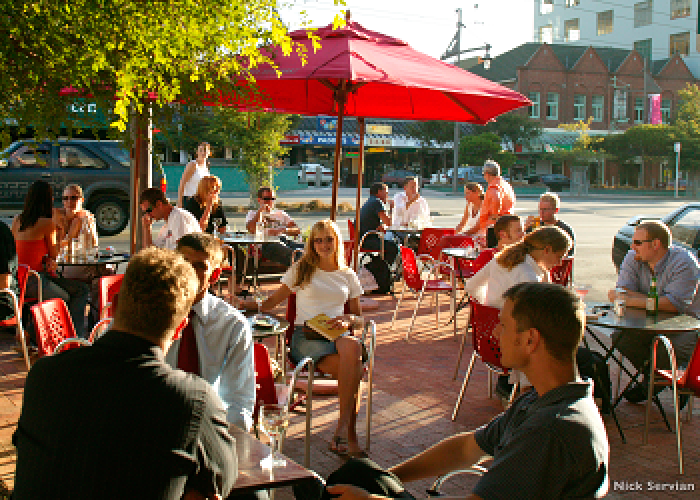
(101, 168)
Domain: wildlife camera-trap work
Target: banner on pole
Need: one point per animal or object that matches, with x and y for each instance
(655, 109)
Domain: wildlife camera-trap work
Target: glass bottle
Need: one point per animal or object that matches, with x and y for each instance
(652, 298)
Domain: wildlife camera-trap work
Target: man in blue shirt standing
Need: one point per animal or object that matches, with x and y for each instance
(677, 272)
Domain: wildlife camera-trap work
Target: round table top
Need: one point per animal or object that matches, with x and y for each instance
(637, 319)
(91, 260)
(403, 229)
(461, 252)
(279, 326)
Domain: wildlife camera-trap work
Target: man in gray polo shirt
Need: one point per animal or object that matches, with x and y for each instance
(677, 272)
(551, 443)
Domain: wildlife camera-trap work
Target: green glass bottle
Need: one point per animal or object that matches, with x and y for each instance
(652, 298)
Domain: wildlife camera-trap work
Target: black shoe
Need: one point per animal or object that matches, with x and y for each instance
(639, 392)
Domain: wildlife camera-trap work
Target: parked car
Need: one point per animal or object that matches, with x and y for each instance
(464, 174)
(311, 169)
(555, 182)
(396, 178)
(101, 168)
(685, 229)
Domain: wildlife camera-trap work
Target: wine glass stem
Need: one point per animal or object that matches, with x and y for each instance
(273, 445)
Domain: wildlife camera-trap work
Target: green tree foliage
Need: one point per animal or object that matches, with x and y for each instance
(430, 134)
(476, 149)
(686, 130)
(125, 55)
(515, 127)
(650, 142)
(585, 150)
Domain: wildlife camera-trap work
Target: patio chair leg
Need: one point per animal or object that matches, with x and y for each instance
(415, 311)
(657, 402)
(461, 352)
(398, 304)
(437, 310)
(467, 376)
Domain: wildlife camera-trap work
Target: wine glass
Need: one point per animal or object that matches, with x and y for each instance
(273, 420)
(217, 222)
(259, 297)
(582, 290)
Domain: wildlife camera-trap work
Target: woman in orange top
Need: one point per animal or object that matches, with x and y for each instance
(36, 239)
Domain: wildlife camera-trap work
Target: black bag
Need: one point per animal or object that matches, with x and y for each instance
(381, 272)
(591, 364)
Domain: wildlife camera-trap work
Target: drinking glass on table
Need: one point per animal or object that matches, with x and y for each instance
(619, 304)
(273, 420)
(259, 297)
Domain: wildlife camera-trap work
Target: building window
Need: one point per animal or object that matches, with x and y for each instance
(642, 13)
(535, 108)
(666, 111)
(572, 3)
(680, 8)
(579, 107)
(638, 110)
(546, 6)
(546, 34)
(597, 102)
(680, 44)
(571, 30)
(644, 49)
(605, 22)
(552, 106)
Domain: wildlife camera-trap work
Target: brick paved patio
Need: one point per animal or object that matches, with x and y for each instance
(413, 399)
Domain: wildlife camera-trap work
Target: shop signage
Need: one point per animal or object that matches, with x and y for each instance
(378, 141)
(326, 124)
(378, 129)
(290, 139)
(327, 140)
(376, 150)
(352, 154)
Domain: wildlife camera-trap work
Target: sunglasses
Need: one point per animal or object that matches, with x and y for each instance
(639, 242)
(66, 198)
(148, 210)
(269, 198)
(327, 239)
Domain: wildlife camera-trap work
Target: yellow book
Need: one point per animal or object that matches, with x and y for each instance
(321, 325)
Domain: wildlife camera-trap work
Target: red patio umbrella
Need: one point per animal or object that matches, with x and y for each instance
(362, 73)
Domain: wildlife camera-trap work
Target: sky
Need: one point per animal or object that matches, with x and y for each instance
(430, 25)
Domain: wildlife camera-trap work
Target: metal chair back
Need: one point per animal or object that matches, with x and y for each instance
(483, 320)
(561, 274)
(430, 238)
(411, 276)
(109, 287)
(54, 327)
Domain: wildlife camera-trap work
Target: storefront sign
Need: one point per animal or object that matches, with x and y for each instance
(376, 150)
(326, 124)
(327, 140)
(352, 154)
(378, 129)
(290, 139)
(378, 141)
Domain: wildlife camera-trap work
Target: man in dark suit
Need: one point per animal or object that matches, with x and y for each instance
(114, 420)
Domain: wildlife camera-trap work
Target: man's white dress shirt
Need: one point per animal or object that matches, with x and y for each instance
(419, 209)
(225, 347)
(179, 223)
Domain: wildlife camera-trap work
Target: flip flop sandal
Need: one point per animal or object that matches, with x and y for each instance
(336, 444)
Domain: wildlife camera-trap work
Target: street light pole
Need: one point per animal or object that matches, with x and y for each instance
(677, 149)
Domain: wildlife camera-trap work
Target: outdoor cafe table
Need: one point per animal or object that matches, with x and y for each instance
(92, 260)
(405, 232)
(278, 330)
(456, 254)
(245, 239)
(634, 319)
(251, 476)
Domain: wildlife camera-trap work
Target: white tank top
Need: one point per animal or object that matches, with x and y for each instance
(191, 185)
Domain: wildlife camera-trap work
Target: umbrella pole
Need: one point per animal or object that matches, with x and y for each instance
(360, 168)
(341, 96)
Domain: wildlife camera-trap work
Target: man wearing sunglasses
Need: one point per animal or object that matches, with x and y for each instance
(677, 272)
(178, 222)
(277, 223)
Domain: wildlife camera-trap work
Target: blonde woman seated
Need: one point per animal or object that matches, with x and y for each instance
(528, 260)
(206, 207)
(323, 284)
(71, 218)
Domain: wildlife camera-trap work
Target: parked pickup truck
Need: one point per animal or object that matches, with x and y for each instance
(101, 168)
(311, 168)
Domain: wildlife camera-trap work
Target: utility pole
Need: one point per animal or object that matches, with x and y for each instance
(455, 152)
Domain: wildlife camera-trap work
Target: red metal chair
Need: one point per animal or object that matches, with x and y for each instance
(269, 392)
(483, 320)
(413, 280)
(681, 382)
(353, 235)
(562, 273)
(54, 327)
(23, 272)
(348, 248)
(430, 239)
(324, 385)
(461, 267)
(109, 287)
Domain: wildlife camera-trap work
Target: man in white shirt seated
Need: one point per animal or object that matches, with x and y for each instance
(409, 205)
(277, 223)
(217, 344)
(178, 222)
